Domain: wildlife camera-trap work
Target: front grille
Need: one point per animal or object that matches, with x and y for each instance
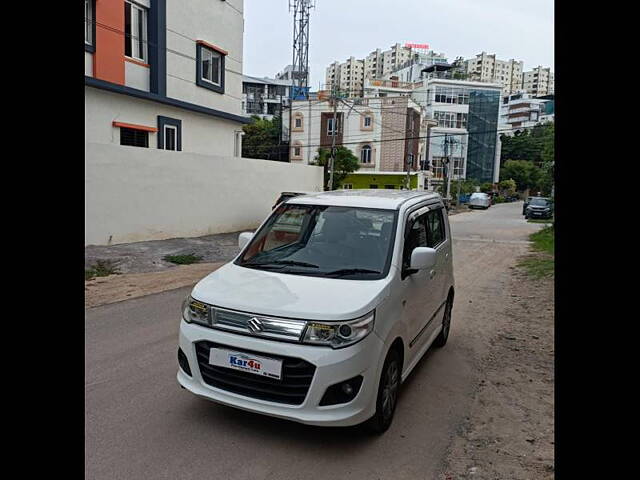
(291, 389)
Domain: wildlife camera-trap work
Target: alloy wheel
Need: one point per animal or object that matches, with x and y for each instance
(390, 389)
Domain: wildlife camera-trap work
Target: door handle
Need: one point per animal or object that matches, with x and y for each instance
(432, 273)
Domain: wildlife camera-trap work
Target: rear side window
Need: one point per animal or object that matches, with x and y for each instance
(435, 228)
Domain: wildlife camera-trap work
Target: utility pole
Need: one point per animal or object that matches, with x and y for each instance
(334, 97)
(445, 169)
(449, 173)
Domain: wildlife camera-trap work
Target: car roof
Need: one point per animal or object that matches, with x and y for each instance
(370, 198)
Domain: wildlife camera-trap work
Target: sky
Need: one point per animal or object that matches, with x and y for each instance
(522, 30)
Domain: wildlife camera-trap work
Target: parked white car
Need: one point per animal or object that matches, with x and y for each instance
(479, 200)
(326, 309)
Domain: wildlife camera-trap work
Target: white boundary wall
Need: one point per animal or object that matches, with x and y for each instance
(134, 194)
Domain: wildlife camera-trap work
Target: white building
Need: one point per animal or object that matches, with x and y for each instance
(539, 81)
(264, 97)
(382, 132)
(347, 77)
(487, 68)
(523, 110)
(467, 123)
(172, 82)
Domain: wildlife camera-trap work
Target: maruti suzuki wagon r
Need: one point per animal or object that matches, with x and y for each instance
(326, 309)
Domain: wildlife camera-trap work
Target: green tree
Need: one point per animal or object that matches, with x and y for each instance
(345, 163)
(530, 144)
(261, 139)
(486, 187)
(467, 186)
(523, 172)
(507, 187)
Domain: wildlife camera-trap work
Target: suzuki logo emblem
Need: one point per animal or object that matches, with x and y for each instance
(255, 325)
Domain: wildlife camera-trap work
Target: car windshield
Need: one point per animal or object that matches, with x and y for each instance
(324, 241)
(539, 202)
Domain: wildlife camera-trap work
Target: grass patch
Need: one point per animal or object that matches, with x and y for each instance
(182, 259)
(542, 263)
(101, 268)
(543, 240)
(538, 266)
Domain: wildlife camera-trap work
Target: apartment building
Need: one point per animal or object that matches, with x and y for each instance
(347, 77)
(382, 132)
(523, 110)
(160, 74)
(467, 115)
(287, 73)
(539, 81)
(265, 97)
(487, 68)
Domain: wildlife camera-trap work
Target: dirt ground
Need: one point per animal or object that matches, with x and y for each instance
(509, 431)
(115, 288)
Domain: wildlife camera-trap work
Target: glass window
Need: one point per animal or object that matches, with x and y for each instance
(210, 61)
(367, 121)
(365, 154)
(435, 231)
(298, 122)
(88, 22)
(324, 241)
(415, 236)
(373, 185)
(170, 135)
(135, 28)
(297, 151)
(331, 127)
(134, 137)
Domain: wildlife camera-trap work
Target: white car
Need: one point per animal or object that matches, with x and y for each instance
(479, 200)
(326, 309)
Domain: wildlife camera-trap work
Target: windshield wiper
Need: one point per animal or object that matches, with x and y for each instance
(350, 271)
(283, 262)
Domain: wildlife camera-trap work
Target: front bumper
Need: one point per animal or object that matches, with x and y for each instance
(533, 213)
(332, 366)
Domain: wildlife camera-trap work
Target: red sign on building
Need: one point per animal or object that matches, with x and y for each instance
(420, 46)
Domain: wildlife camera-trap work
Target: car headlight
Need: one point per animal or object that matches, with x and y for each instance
(339, 334)
(194, 311)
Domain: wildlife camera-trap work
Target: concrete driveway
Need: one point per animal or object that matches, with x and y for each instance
(141, 424)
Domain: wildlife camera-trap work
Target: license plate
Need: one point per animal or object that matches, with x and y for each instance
(245, 362)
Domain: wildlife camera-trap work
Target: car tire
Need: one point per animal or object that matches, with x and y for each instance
(387, 397)
(441, 339)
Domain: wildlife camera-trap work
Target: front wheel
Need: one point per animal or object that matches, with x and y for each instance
(387, 394)
(442, 337)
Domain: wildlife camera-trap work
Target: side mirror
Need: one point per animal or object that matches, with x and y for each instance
(244, 238)
(423, 258)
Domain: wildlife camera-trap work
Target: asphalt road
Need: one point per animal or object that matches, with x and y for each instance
(139, 424)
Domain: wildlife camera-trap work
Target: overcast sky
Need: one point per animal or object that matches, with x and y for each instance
(517, 29)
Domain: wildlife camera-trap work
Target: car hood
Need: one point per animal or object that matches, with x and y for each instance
(285, 295)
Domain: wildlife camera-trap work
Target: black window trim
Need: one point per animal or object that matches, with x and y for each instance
(173, 122)
(205, 83)
(408, 224)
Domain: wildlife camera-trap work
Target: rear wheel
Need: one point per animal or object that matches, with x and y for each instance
(387, 394)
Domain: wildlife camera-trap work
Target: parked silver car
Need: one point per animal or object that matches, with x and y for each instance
(479, 200)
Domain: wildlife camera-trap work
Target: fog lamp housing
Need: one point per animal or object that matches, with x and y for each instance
(342, 392)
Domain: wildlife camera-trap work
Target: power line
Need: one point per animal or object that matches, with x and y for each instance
(469, 133)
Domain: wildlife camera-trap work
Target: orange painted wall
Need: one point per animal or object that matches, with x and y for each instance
(109, 54)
